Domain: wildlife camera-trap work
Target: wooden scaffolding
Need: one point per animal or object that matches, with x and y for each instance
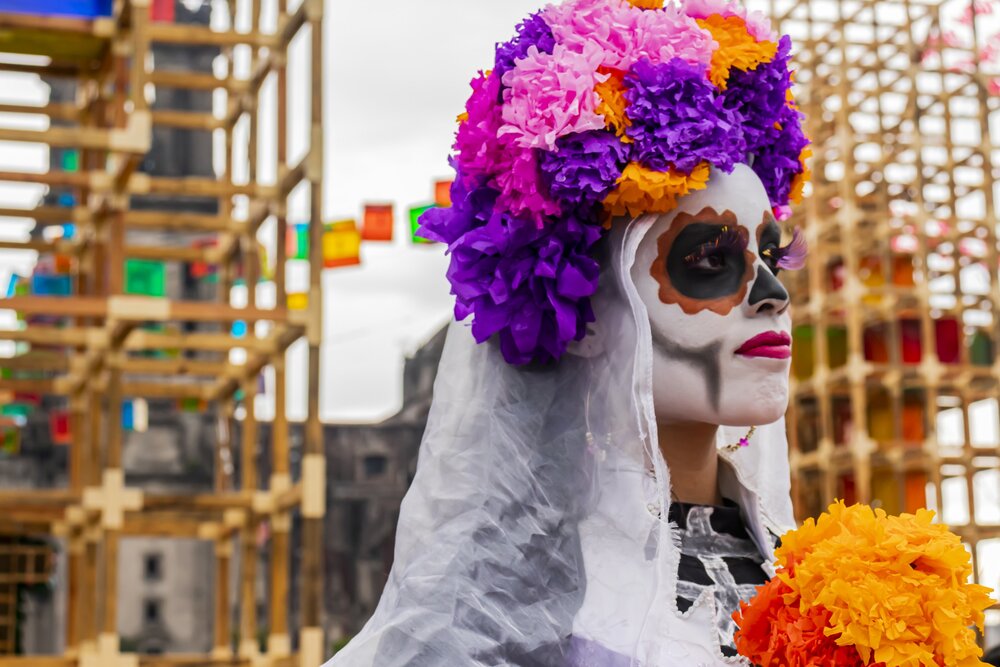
(106, 343)
(896, 373)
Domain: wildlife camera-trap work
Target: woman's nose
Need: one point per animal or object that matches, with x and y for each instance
(768, 296)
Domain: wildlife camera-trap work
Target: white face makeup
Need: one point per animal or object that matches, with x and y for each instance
(719, 316)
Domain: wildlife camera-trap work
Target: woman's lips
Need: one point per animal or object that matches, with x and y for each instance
(769, 345)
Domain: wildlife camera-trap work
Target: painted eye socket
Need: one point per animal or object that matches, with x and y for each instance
(716, 255)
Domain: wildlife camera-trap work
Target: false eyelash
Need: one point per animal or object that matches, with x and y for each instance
(792, 257)
(731, 239)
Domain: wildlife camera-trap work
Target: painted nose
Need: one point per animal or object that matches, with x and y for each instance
(768, 296)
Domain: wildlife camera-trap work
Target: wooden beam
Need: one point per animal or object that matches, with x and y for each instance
(190, 120)
(56, 214)
(71, 179)
(171, 367)
(37, 361)
(64, 111)
(180, 221)
(194, 81)
(139, 309)
(206, 342)
(192, 35)
(189, 661)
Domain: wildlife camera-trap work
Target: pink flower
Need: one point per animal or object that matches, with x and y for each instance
(477, 149)
(626, 34)
(758, 24)
(521, 191)
(551, 95)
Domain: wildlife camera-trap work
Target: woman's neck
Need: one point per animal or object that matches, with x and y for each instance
(690, 451)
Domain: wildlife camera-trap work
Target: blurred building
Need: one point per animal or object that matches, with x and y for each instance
(370, 469)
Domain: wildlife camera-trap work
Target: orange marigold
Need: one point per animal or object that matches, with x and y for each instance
(641, 190)
(613, 103)
(800, 180)
(647, 4)
(737, 47)
(893, 588)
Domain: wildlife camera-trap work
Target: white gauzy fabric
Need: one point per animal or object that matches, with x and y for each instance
(531, 534)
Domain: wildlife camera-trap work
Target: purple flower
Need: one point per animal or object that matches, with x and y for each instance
(760, 95)
(527, 285)
(679, 119)
(584, 167)
(776, 160)
(533, 31)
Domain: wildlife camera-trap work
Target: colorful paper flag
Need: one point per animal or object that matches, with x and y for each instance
(59, 427)
(442, 193)
(341, 244)
(415, 214)
(266, 265)
(10, 440)
(162, 11)
(71, 160)
(63, 264)
(16, 409)
(379, 222)
(298, 301)
(201, 270)
(145, 277)
(128, 416)
(51, 285)
(193, 405)
(297, 241)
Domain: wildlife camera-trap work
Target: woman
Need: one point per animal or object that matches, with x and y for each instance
(602, 477)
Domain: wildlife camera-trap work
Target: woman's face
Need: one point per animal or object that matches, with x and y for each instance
(719, 316)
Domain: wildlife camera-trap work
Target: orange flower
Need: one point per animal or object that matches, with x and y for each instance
(737, 47)
(774, 630)
(647, 4)
(641, 190)
(893, 589)
(613, 103)
(800, 180)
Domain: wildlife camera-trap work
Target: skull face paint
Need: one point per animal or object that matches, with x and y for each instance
(704, 262)
(719, 317)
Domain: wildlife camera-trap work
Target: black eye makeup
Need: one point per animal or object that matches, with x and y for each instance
(704, 262)
(714, 256)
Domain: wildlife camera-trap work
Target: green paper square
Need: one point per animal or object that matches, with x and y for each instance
(71, 160)
(415, 214)
(145, 277)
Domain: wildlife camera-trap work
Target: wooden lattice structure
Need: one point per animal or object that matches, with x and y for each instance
(896, 374)
(101, 346)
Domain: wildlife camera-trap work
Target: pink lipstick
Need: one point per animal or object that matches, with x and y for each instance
(769, 345)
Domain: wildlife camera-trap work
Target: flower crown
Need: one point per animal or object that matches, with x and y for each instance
(598, 109)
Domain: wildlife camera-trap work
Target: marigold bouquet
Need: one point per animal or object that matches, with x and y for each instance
(859, 588)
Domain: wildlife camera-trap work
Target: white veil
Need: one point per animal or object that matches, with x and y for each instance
(530, 535)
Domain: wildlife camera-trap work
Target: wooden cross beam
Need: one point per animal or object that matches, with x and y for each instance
(106, 654)
(112, 499)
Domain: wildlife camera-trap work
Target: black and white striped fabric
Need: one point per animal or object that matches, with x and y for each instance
(717, 555)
